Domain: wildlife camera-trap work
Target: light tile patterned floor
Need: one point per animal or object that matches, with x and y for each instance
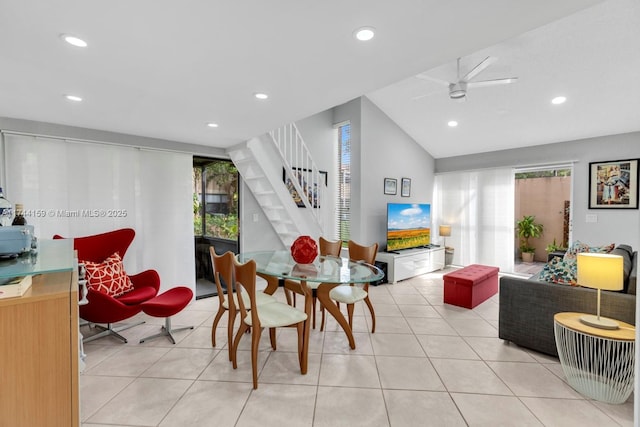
(428, 364)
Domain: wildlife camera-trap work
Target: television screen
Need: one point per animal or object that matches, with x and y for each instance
(408, 225)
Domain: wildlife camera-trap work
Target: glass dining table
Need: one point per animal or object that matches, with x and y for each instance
(277, 266)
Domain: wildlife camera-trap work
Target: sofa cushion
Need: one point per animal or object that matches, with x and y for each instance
(559, 271)
(626, 253)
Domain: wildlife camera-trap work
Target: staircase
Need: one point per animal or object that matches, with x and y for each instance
(275, 166)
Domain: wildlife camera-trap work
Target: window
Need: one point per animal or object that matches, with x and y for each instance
(343, 220)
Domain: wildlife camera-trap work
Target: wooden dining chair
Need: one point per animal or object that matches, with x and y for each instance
(352, 293)
(327, 248)
(272, 316)
(223, 276)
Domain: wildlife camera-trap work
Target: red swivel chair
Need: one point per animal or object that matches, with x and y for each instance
(103, 308)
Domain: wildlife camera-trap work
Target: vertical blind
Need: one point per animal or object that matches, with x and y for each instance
(479, 206)
(343, 220)
(77, 188)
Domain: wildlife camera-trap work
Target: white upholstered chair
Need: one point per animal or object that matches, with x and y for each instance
(271, 316)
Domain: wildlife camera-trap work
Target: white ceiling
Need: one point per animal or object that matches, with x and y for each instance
(164, 68)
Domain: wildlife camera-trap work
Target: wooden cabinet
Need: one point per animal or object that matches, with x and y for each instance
(411, 262)
(39, 353)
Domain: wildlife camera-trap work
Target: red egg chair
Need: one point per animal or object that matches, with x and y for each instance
(103, 308)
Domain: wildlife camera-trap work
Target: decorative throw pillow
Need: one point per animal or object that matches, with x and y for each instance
(604, 249)
(575, 248)
(108, 276)
(560, 271)
(579, 247)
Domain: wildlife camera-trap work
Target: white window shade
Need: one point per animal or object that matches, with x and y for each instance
(77, 188)
(479, 206)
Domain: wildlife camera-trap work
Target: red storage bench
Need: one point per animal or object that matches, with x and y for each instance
(471, 285)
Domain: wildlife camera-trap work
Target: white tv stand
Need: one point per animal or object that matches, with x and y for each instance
(408, 263)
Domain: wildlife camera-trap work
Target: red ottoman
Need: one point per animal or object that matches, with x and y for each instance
(471, 285)
(166, 305)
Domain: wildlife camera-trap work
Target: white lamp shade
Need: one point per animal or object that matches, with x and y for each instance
(600, 271)
(444, 230)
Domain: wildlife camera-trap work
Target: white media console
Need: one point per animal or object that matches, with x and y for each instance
(411, 262)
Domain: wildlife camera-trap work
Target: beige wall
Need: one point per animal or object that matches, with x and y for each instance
(543, 198)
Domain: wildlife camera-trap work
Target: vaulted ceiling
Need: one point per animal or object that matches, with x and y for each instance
(165, 69)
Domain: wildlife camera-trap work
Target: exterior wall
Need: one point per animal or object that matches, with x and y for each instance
(545, 199)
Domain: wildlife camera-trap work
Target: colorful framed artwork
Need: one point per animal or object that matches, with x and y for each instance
(613, 184)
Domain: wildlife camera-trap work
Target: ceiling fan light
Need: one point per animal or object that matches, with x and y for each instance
(457, 93)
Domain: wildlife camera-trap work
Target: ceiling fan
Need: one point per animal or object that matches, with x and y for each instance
(458, 89)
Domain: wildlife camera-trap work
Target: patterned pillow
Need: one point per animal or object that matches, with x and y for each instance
(108, 276)
(579, 247)
(576, 248)
(560, 271)
(604, 249)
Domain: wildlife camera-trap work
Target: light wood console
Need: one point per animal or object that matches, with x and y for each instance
(39, 353)
(408, 263)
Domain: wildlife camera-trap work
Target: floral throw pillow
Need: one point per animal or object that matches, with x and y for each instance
(575, 248)
(560, 271)
(579, 247)
(108, 276)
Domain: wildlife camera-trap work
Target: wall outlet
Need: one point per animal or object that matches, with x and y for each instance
(591, 218)
(255, 217)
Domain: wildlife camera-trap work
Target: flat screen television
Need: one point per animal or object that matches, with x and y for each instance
(408, 225)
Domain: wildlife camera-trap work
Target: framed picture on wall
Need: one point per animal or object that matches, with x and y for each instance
(613, 184)
(390, 186)
(406, 187)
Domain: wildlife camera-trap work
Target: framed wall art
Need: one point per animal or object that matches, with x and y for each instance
(613, 184)
(405, 187)
(390, 186)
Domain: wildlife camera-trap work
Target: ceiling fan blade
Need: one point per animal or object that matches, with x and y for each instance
(493, 82)
(423, 76)
(479, 68)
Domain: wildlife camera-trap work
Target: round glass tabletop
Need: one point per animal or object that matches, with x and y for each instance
(326, 269)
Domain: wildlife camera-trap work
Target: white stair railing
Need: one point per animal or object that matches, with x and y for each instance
(302, 176)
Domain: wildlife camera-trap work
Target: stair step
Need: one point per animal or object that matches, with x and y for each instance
(254, 177)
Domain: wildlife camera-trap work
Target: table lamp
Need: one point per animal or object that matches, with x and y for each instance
(445, 231)
(600, 271)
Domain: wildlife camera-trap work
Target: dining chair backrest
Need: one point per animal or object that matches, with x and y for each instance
(329, 247)
(245, 280)
(358, 252)
(222, 272)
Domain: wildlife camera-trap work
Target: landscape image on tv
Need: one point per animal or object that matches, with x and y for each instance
(408, 225)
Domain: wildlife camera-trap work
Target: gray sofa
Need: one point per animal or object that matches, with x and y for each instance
(527, 306)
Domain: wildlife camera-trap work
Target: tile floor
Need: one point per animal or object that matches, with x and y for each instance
(428, 364)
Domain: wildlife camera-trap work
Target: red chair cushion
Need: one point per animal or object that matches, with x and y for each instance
(108, 276)
(138, 295)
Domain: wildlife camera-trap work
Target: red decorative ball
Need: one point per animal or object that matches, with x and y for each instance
(304, 250)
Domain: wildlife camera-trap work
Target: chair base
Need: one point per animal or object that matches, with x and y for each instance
(166, 332)
(110, 330)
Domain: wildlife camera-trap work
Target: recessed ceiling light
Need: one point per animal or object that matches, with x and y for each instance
(73, 40)
(212, 125)
(365, 33)
(452, 123)
(559, 100)
(261, 95)
(73, 98)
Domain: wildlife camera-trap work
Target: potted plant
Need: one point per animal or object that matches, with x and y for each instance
(528, 228)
